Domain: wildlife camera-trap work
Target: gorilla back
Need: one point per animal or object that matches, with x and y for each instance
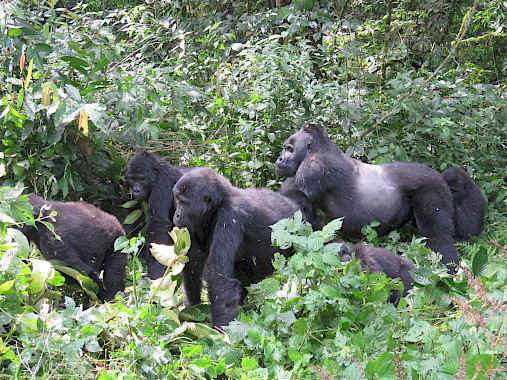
(231, 238)
(389, 194)
(87, 241)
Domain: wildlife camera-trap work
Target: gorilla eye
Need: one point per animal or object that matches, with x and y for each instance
(289, 148)
(155, 170)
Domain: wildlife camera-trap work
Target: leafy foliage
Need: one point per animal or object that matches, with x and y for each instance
(222, 84)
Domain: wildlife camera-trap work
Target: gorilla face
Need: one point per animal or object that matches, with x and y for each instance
(140, 175)
(196, 199)
(295, 149)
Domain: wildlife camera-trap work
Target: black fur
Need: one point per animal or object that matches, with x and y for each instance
(305, 206)
(390, 194)
(152, 179)
(375, 259)
(87, 241)
(231, 238)
(469, 204)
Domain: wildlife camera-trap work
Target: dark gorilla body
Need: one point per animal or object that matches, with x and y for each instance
(152, 179)
(376, 259)
(87, 241)
(469, 204)
(231, 238)
(390, 193)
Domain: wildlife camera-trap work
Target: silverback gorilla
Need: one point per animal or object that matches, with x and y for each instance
(231, 238)
(469, 204)
(376, 259)
(389, 194)
(87, 241)
(151, 179)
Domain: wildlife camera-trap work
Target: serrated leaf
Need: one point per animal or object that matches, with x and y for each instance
(333, 226)
(480, 261)
(421, 275)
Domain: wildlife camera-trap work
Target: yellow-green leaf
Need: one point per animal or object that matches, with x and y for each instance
(45, 95)
(29, 74)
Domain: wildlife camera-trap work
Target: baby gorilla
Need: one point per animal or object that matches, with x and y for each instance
(231, 238)
(377, 259)
(87, 241)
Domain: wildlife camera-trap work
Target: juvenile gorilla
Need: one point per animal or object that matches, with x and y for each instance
(469, 204)
(389, 194)
(87, 241)
(231, 238)
(152, 179)
(377, 259)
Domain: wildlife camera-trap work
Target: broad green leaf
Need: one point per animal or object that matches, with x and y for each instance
(164, 253)
(133, 216)
(6, 286)
(130, 204)
(249, 364)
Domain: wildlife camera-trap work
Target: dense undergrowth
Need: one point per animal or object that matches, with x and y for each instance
(222, 84)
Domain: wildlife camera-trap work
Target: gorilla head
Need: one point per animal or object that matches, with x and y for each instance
(198, 197)
(141, 174)
(297, 147)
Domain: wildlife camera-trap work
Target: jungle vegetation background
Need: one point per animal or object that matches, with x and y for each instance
(84, 85)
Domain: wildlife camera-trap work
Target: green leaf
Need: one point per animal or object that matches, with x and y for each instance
(480, 261)
(86, 283)
(332, 227)
(133, 217)
(421, 275)
(130, 203)
(6, 286)
(249, 364)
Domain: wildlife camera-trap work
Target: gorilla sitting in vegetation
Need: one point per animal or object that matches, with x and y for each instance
(152, 179)
(469, 204)
(87, 241)
(389, 194)
(376, 259)
(231, 238)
